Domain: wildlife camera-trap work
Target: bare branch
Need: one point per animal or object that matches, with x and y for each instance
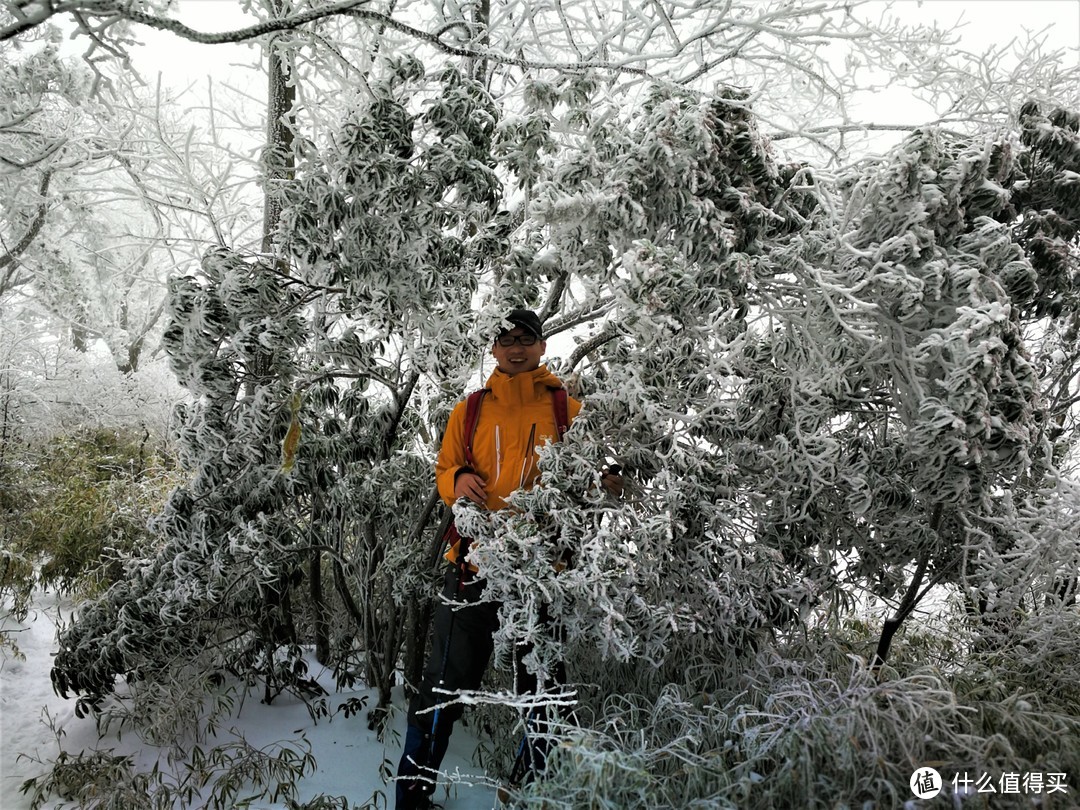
(41, 156)
(114, 11)
(606, 335)
(35, 226)
(20, 118)
(781, 135)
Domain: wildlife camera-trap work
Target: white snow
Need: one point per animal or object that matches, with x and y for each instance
(349, 756)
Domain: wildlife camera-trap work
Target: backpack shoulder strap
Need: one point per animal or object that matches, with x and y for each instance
(472, 416)
(562, 413)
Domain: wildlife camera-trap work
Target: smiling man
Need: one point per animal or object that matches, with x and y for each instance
(516, 416)
(488, 452)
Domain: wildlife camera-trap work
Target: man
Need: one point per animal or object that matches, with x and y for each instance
(517, 414)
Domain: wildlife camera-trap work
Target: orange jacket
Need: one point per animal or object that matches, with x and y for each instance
(516, 417)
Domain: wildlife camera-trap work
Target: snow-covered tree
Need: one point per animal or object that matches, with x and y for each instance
(822, 390)
(829, 403)
(835, 396)
(40, 105)
(107, 192)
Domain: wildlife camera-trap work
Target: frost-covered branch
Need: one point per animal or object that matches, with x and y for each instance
(12, 253)
(109, 12)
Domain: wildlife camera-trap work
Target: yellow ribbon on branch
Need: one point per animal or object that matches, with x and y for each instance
(292, 437)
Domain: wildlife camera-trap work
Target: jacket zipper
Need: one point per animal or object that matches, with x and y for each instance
(529, 449)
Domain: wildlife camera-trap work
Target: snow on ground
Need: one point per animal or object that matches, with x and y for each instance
(349, 756)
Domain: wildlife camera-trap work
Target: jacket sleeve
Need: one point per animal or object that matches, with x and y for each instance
(451, 455)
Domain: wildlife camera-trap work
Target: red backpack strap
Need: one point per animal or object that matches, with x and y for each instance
(562, 413)
(472, 416)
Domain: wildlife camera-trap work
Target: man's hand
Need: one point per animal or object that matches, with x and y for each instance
(472, 486)
(612, 481)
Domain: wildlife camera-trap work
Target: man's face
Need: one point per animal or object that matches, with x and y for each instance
(517, 358)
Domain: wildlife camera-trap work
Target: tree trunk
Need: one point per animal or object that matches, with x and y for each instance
(318, 599)
(908, 603)
(481, 23)
(9, 261)
(278, 167)
(420, 611)
(278, 161)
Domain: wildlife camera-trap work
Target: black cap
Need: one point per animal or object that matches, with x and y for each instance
(527, 320)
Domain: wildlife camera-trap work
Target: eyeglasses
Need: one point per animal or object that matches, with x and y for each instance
(506, 341)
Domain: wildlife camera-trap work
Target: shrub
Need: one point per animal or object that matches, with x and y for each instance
(74, 505)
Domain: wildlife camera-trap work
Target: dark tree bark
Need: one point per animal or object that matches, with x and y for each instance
(278, 169)
(315, 588)
(911, 599)
(9, 261)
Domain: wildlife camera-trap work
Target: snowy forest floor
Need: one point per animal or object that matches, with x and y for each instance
(348, 754)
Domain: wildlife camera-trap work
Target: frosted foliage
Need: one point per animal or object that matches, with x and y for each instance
(808, 404)
(930, 260)
(674, 573)
(222, 537)
(825, 393)
(350, 353)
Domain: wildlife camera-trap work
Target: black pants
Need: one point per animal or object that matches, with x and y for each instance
(462, 643)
